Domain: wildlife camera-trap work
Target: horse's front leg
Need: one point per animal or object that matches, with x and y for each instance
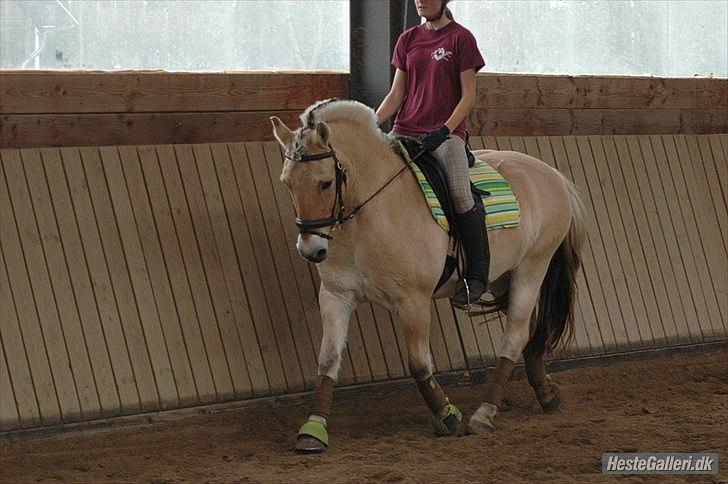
(336, 310)
(414, 316)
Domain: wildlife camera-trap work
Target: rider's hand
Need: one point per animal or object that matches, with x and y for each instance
(432, 140)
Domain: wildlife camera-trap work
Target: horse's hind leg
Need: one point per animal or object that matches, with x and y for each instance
(526, 282)
(414, 316)
(548, 393)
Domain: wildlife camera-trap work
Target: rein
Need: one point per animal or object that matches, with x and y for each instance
(334, 220)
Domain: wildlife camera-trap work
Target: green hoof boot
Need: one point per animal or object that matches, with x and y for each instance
(449, 423)
(312, 437)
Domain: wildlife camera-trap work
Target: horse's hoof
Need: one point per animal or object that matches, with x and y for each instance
(476, 427)
(481, 421)
(312, 437)
(553, 403)
(449, 424)
(309, 445)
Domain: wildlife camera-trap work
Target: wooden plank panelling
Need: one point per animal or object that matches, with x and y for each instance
(25, 92)
(637, 258)
(30, 130)
(709, 214)
(644, 162)
(245, 242)
(23, 409)
(120, 283)
(224, 303)
(9, 417)
(158, 275)
(86, 310)
(162, 177)
(610, 230)
(140, 278)
(395, 358)
(64, 92)
(66, 313)
(703, 291)
(658, 169)
(120, 108)
(170, 281)
(36, 299)
(220, 229)
(100, 280)
(530, 121)
(504, 91)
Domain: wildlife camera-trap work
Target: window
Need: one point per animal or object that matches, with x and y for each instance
(666, 38)
(174, 35)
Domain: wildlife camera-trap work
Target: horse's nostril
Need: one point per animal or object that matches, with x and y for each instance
(321, 253)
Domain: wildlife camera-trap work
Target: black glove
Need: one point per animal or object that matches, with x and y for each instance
(432, 140)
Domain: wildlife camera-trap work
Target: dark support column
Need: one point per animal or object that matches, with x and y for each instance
(375, 26)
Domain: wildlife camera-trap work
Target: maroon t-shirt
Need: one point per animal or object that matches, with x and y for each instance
(433, 61)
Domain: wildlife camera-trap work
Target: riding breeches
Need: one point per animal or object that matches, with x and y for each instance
(455, 161)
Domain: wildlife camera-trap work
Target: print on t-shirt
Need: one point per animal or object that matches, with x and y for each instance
(441, 53)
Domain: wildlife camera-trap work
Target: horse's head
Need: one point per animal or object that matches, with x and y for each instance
(320, 168)
(315, 178)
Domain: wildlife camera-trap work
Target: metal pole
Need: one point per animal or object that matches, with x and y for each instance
(375, 26)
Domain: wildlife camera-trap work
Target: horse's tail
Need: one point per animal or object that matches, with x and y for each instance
(554, 313)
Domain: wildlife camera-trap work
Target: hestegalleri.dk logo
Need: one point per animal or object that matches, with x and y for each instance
(659, 463)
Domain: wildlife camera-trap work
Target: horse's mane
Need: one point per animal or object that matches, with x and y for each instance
(343, 110)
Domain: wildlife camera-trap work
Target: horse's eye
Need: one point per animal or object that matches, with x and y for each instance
(326, 185)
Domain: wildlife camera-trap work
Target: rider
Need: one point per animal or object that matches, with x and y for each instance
(432, 93)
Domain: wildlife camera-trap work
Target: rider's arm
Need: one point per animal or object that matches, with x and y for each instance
(393, 101)
(467, 100)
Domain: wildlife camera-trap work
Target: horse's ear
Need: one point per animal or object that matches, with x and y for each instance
(322, 132)
(281, 132)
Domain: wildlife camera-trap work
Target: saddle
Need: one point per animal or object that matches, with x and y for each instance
(437, 178)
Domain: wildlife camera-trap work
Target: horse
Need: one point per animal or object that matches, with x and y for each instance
(364, 222)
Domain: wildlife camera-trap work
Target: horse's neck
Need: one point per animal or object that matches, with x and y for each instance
(376, 246)
(373, 164)
(397, 199)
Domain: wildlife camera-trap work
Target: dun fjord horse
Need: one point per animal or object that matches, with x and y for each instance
(363, 220)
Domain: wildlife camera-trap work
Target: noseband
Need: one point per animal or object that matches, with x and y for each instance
(335, 219)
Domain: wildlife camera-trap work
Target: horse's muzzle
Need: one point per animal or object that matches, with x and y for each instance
(312, 247)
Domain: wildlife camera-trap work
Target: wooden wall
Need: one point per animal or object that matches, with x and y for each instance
(141, 278)
(532, 105)
(107, 108)
(118, 108)
(149, 263)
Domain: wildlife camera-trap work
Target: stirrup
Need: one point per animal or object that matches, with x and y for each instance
(466, 307)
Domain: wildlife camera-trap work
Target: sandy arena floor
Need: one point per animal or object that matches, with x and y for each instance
(668, 405)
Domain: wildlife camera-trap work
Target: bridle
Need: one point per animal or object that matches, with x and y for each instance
(335, 219)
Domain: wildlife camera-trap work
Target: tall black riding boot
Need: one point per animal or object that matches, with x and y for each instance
(474, 238)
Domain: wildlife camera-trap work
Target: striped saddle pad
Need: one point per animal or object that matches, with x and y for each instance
(501, 205)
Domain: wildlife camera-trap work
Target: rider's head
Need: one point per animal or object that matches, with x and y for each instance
(433, 10)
